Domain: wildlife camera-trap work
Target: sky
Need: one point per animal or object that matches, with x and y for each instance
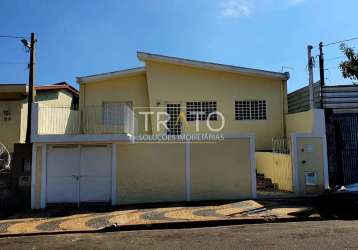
(85, 37)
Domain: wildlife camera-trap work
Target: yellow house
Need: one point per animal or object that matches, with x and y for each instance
(251, 101)
(13, 107)
(172, 130)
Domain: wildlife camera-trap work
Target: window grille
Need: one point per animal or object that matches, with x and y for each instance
(250, 110)
(201, 111)
(174, 124)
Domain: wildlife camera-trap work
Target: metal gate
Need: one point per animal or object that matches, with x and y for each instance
(344, 147)
(274, 169)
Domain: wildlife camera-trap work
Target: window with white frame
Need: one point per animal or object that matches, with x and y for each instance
(114, 112)
(250, 110)
(201, 111)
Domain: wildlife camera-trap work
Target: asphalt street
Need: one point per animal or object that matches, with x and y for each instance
(295, 235)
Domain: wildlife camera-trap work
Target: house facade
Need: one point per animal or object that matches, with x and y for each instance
(141, 135)
(13, 107)
(251, 101)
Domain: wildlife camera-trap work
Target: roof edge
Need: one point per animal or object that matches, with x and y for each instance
(58, 86)
(144, 56)
(110, 75)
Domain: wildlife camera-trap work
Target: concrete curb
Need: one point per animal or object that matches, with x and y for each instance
(170, 225)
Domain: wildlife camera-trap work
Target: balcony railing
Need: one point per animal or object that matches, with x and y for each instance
(55, 120)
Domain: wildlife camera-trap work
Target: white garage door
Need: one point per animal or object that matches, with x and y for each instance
(78, 174)
(95, 174)
(62, 167)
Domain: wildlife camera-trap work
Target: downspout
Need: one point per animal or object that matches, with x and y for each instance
(284, 106)
(82, 104)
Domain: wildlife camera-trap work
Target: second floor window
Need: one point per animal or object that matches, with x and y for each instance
(201, 111)
(114, 112)
(250, 110)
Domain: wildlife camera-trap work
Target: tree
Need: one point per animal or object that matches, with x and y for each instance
(349, 67)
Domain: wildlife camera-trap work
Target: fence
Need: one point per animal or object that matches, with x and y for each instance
(275, 167)
(340, 98)
(299, 100)
(89, 120)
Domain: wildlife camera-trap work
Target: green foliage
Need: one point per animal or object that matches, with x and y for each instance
(349, 67)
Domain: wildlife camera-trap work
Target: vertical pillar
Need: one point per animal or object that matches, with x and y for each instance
(114, 174)
(187, 171)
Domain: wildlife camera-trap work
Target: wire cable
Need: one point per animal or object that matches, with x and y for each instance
(334, 58)
(14, 37)
(347, 40)
(13, 63)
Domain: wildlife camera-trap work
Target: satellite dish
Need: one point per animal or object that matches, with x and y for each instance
(5, 157)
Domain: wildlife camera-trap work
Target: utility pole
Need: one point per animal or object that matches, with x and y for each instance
(30, 97)
(321, 70)
(310, 75)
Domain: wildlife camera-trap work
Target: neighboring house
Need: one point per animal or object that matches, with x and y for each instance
(99, 153)
(340, 103)
(13, 107)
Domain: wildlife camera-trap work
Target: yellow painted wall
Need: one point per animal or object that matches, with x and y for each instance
(181, 84)
(10, 130)
(301, 122)
(221, 170)
(276, 166)
(150, 173)
(127, 89)
(311, 121)
(310, 158)
(155, 172)
(38, 177)
(54, 98)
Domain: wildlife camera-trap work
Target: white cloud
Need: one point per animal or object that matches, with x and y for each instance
(244, 8)
(236, 8)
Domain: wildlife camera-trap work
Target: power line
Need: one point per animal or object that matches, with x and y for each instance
(13, 63)
(14, 37)
(335, 58)
(347, 40)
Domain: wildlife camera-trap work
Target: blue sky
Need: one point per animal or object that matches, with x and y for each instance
(77, 38)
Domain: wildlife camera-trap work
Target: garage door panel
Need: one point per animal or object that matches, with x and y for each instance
(62, 164)
(62, 161)
(96, 161)
(95, 189)
(62, 189)
(95, 172)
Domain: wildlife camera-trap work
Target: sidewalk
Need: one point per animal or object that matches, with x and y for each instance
(75, 220)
